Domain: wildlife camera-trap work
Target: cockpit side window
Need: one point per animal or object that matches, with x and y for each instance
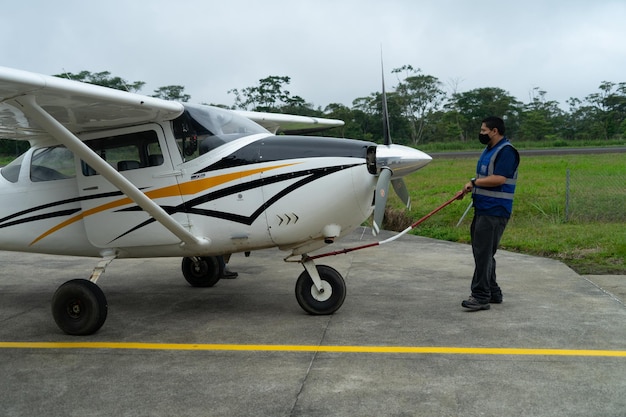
(186, 131)
(51, 164)
(200, 129)
(127, 152)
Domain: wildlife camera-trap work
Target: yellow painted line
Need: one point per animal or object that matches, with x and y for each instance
(311, 348)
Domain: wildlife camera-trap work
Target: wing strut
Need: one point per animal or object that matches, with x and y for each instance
(31, 108)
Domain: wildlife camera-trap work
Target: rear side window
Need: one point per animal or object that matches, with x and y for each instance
(127, 152)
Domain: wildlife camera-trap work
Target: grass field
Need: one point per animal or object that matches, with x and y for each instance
(538, 225)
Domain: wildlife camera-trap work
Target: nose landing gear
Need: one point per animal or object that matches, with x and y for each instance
(320, 289)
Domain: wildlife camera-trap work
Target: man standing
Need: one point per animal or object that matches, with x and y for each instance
(492, 193)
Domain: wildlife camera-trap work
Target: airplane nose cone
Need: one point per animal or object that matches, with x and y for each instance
(402, 160)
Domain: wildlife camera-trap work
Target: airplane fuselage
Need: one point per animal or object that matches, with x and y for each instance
(242, 192)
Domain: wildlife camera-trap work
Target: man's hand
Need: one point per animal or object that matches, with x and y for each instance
(468, 187)
(461, 194)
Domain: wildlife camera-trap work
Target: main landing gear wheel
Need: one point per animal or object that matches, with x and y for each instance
(319, 303)
(201, 271)
(79, 307)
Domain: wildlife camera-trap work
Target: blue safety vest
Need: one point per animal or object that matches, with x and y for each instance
(494, 201)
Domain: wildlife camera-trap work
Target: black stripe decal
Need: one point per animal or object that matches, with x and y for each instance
(52, 215)
(189, 207)
(57, 203)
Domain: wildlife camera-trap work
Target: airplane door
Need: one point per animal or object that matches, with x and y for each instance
(113, 220)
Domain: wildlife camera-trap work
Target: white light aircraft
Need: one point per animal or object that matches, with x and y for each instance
(112, 174)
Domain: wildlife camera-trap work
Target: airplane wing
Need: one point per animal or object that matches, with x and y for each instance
(290, 124)
(82, 107)
(79, 107)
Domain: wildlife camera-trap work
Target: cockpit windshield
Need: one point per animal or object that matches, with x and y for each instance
(223, 122)
(200, 129)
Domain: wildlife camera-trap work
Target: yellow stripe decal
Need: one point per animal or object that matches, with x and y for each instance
(312, 348)
(196, 186)
(188, 188)
(86, 213)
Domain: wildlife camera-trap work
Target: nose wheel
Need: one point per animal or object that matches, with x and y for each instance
(324, 293)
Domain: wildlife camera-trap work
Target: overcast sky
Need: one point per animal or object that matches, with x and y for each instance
(330, 49)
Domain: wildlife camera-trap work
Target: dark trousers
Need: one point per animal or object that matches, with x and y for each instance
(486, 232)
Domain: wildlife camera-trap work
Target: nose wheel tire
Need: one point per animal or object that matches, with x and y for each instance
(203, 272)
(327, 301)
(79, 307)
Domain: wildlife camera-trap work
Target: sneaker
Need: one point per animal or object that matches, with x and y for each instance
(475, 305)
(228, 274)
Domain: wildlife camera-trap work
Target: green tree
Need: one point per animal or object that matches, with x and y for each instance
(419, 96)
(610, 106)
(104, 79)
(269, 96)
(299, 107)
(445, 126)
(9, 147)
(368, 114)
(172, 92)
(450, 120)
(350, 129)
(540, 119)
(479, 103)
(582, 121)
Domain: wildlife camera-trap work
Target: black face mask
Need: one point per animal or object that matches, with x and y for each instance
(484, 139)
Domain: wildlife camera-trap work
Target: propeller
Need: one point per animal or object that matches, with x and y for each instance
(386, 134)
(386, 172)
(400, 188)
(382, 191)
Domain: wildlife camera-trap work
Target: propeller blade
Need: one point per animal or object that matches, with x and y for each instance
(400, 188)
(386, 133)
(382, 191)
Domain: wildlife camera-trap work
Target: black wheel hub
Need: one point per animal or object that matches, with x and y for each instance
(74, 309)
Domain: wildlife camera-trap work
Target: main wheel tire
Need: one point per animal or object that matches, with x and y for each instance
(320, 303)
(79, 307)
(203, 273)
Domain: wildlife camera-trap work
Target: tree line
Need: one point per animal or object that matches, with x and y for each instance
(421, 109)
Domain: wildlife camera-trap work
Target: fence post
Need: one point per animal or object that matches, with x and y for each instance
(567, 182)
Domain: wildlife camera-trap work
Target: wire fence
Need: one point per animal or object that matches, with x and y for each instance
(595, 196)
